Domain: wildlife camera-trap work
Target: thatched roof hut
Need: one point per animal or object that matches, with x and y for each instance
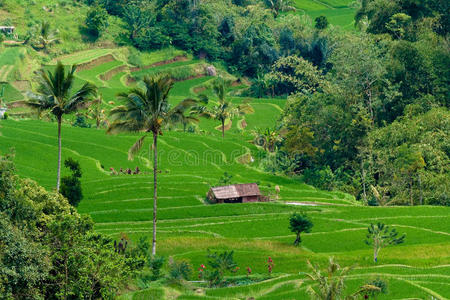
(236, 193)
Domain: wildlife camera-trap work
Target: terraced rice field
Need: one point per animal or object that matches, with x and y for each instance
(338, 12)
(190, 163)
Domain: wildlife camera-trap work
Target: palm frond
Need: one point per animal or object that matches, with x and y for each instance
(136, 147)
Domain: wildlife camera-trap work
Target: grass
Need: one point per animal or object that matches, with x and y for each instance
(190, 163)
(10, 94)
(338, 12)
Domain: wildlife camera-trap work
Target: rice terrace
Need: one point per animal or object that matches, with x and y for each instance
(224, 149)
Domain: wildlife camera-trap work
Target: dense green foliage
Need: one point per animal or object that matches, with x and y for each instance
(298, 223)
(47, 250)
(71, 185)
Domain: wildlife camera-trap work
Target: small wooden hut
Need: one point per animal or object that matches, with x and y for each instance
(236, 193)
(7, 29)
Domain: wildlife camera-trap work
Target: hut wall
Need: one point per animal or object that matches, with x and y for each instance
(250, 199)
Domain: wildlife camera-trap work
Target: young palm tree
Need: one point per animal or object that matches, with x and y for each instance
(45, 35)
(277, 6)
(96, 111)
(268, 139)
(185, 116)
(55, 95)
(225, 109)
(331, 284)
(147, 110)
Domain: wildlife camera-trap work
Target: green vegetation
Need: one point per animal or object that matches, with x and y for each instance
(71, 185)
(348, 127)
(55, 95)
(380, 236)
(299, 223)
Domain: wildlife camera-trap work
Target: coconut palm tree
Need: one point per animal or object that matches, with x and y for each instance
(331, 284)
(225, 109)
(147, 110)
(45, 35)
(277, 6)
(185, 116)
(55, 94)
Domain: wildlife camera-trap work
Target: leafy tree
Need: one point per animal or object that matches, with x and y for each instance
(49, 251)
(321, 22)
(71, 185)
(409, 158)
(379, 236)
(254, 52)
(55, 94)
(96, 20)
(294, 74)
(225, 109)
(331, 283)
(298, 223)
(147, 109)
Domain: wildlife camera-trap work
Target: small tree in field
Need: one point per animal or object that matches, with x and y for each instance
(298, 223)
(379, 236)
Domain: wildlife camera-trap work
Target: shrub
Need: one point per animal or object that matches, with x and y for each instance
(80, 121)
(179, 270)
(155, 263)
(379, 283)
(97, 20)
(220, 264)
(71, 185)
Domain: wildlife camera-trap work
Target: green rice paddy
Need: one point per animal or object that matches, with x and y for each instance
(190, 163)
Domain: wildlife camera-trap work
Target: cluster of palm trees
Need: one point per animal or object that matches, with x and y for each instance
(146, 110)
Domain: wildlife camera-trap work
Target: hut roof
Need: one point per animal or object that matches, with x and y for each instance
(236, 191)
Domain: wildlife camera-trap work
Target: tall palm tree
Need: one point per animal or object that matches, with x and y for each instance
(54, 94)
(225, 109)
(147, 110)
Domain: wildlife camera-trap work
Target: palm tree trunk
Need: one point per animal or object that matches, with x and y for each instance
(155, 194)
(58, 176)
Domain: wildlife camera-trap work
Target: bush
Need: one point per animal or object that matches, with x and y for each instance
(218, 265)
(179, 270)
(71, 185)
(155, 263)
(81, 122)
(96, 20)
